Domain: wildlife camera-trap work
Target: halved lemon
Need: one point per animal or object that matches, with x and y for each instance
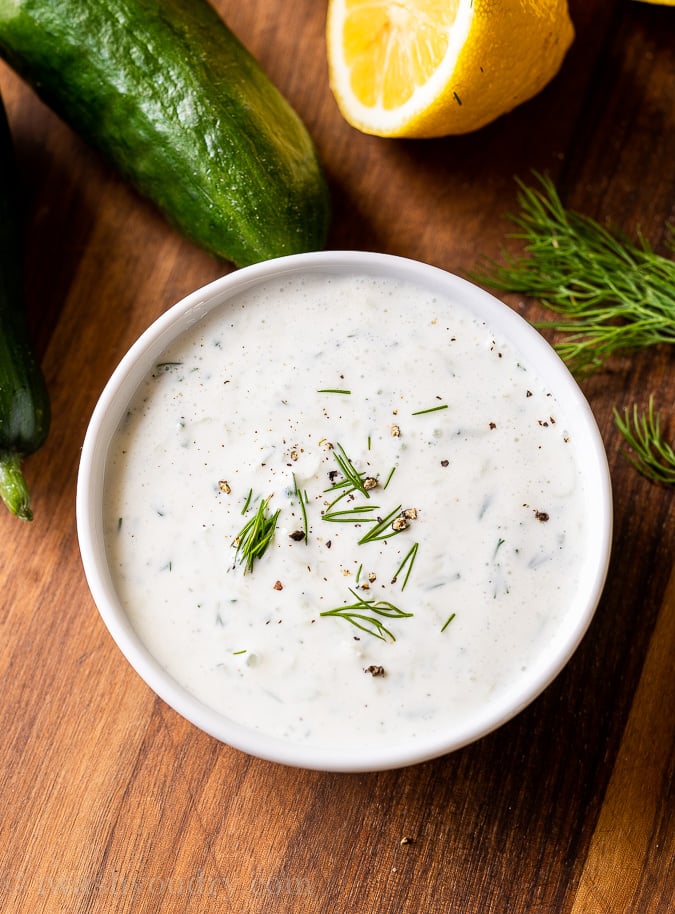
(424, 68)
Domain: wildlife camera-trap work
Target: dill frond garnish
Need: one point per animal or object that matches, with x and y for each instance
(431, 409)
(383, 529)
(652, 455)
(408, 561)
(614, 295)
(355, 515)
(353, 480)
(363, 614)
(255, 536)
(303, 508)
(345, 492)
(448, 621)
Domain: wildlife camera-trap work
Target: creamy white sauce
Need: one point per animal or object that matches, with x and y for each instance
(235, 408)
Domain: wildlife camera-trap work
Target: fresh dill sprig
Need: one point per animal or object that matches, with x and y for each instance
(383, 529)
(652, 455)
(409, 560)
(431, 409)
(255, 536)
(614, 295)
(303, 508)
(353, 515)
(448, 621)
(345, 492)
(353, 480)
(360, 614)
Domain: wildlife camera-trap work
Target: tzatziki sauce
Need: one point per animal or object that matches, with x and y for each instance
(342, 511)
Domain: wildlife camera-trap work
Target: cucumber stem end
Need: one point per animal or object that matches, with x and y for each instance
(13, 488)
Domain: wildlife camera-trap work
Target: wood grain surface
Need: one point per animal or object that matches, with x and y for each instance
(113, 803)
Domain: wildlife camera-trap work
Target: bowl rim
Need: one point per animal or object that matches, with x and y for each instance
(134, 366)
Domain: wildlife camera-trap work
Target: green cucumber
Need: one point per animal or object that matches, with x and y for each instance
(172, 98)
(24, 402)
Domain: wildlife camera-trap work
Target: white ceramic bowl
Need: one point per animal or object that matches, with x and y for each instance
(139, 361)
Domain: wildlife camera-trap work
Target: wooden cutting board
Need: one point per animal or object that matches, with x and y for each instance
(110, 801)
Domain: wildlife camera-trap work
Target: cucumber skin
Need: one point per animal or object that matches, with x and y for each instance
(24, 401)
(172, 98)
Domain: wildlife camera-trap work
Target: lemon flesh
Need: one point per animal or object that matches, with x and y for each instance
(425, 68)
